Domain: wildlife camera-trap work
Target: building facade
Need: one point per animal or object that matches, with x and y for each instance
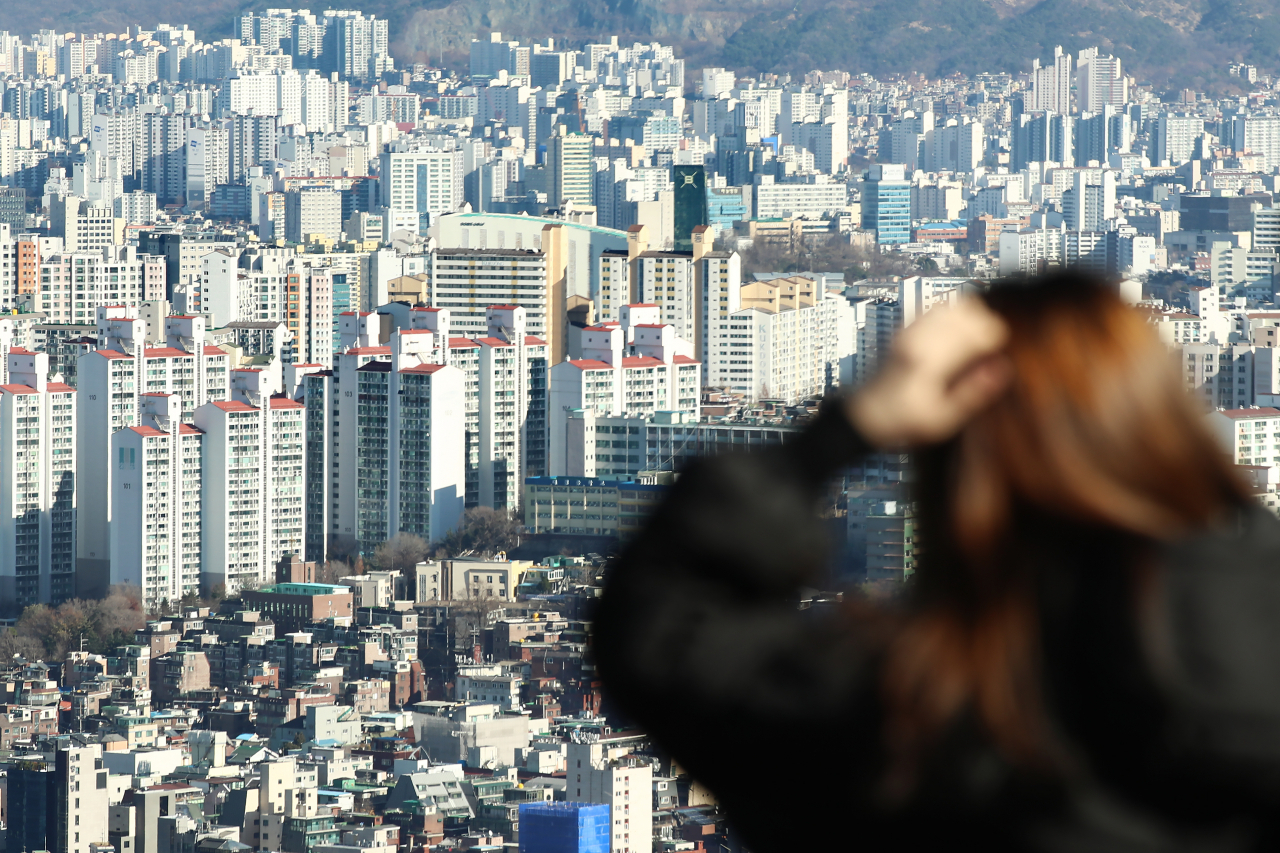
(38, 494)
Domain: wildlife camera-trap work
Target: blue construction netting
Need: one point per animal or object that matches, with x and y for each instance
(564, 828)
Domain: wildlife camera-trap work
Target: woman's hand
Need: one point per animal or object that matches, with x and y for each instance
(941, 371)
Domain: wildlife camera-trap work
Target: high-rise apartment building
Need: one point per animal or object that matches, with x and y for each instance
(689, 290)
(719, 282)
(1257, 134)
(1091, 200)
(1174, 137)
(717, 82)
(496, 433)
(1101, 133)
(469, 281)
(19, 261)
(1225, 375)
(266, 30)
(492, 56)
(207, 162)
(780, 350)
(668, 280)
(315, 389)
(1247, 434)
(1266, 229)
(1051, 85)
(358, 45)
(253, 497)
(425, 180)
(83, 225)
(38, 480)
(311, 212)
(614, 284)
(115, 134)
(956, 146)
(906, 138)
(155, 503)
(570, 168)
(163, 155)
(113, 379)
(398, 462)
(251, 141)
(75, 285)
(633, 370)
(409, 472)
(827, 139)
(511, 410)
(1099, 82)
(309, 311)
(269, 284)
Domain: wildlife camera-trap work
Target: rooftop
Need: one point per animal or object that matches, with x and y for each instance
(292, 588)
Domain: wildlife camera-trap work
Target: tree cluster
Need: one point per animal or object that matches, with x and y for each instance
(49, 632)
(831, 256)
(483, 531)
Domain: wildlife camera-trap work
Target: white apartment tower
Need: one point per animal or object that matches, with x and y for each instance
(114, 379)
(1099, 82)
(511, 410)
(1257, 134)
(407, 417)
(74, 285)
(156, 511)
(37, 485)
(425, 180)
(614, 290)
(1248, 434)
(634, 369)
(398, 413)
(719, 277)
(788, 354)
(1051, 85)
(383, 460)
(272, 285)
(693, 292)
(252, 486)
(1175, 138)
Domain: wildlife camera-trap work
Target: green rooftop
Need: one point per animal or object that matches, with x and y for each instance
(305, 589)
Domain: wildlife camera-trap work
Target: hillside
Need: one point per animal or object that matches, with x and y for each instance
(1170, 42)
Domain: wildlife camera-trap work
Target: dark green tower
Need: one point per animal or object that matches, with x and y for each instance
(690, 184)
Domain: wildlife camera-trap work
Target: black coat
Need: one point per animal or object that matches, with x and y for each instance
(1175, 725)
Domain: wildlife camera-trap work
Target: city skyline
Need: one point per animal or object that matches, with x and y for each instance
(333, 382)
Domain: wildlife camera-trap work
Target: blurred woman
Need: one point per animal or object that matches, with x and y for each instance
(1088, 656)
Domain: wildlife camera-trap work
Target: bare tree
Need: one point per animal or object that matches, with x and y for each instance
(829, 256)
(484, 531)
(103, 623)
(401, 553)
(14, 645)
(331, 571)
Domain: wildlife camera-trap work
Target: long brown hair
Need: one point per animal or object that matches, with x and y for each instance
(1095, 435)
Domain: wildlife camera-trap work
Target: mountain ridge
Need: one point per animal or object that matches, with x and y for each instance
(1173, 43)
